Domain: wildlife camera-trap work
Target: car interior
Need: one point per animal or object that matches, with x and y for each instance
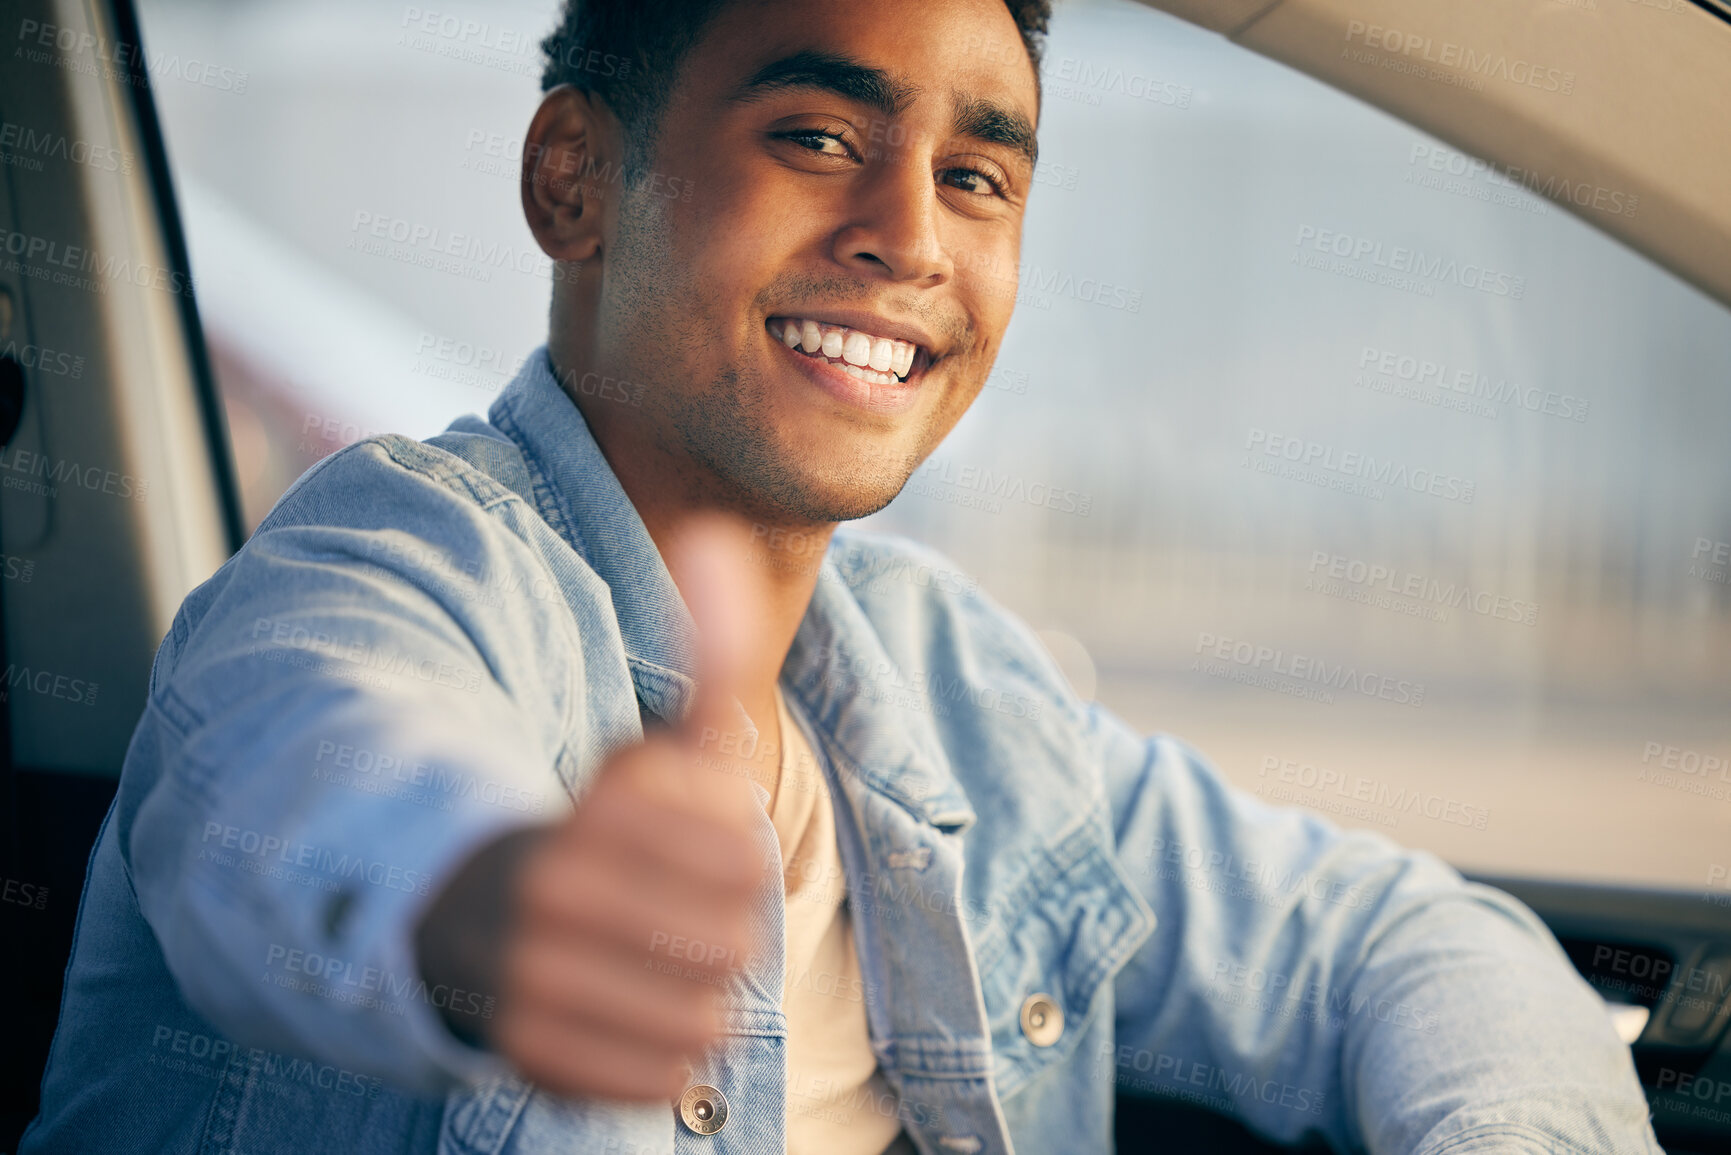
(120, 491)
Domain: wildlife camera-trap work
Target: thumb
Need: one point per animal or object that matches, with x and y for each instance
(704, 559)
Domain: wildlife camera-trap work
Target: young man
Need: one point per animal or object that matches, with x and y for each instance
(459, 820)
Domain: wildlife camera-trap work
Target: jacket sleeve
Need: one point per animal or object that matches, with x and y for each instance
(1312, 981)
(330, 738)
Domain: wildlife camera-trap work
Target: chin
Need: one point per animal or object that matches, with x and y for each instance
(844, 492)
(835, 503)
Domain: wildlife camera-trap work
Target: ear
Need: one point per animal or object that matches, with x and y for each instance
(572, 136)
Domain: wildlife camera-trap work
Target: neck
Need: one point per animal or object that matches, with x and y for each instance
(778, 558)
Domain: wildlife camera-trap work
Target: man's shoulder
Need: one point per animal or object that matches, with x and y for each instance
(453, 515)
(471, 462)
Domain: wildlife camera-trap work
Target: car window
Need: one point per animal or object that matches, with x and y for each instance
(1396, 489)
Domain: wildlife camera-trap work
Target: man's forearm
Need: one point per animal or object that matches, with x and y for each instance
(1516, 1052)
(1325, 981)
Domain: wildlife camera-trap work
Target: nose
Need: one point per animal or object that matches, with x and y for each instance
(893, 229)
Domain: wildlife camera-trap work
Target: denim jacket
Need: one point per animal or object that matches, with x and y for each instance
(428, 644)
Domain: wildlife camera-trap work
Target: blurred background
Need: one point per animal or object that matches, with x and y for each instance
(1227, 266)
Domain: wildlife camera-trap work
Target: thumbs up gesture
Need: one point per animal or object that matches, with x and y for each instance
(610, 935)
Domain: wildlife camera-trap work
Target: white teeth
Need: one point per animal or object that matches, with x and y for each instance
(868, 375)
(904, 359)
(883, 354)
(857, 349)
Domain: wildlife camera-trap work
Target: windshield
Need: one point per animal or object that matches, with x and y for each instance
(1397, 490)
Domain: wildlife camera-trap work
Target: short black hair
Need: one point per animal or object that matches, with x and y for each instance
(628, 52)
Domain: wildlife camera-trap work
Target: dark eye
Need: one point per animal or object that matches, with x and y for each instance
(816, 140)
(972, 180)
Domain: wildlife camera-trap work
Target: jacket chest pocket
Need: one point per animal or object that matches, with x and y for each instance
(481, 1120)
(1070, 925)
(509, 1117)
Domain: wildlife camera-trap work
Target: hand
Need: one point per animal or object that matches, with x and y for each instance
(610, 936)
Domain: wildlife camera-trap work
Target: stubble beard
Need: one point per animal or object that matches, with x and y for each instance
(725, 427)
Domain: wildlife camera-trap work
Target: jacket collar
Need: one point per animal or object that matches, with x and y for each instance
(896, 752)
(878, 715)
(577, 493)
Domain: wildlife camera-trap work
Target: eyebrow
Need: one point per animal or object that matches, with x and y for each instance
(990, 121)
(974, 116)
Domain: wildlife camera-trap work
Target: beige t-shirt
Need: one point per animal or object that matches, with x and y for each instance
(838, 1101)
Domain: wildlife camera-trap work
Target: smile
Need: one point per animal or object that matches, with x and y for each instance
(873, 359)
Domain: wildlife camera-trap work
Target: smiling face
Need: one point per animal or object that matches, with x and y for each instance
(813, 283)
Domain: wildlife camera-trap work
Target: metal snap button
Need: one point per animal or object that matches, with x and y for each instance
(703, 1109)
(1042, 1020)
